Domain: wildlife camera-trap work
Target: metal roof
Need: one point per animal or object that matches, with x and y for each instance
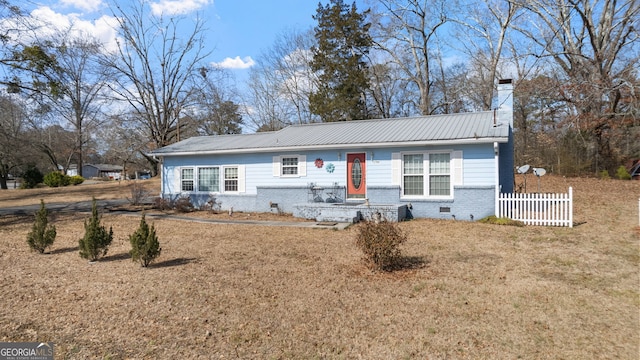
(477, 127)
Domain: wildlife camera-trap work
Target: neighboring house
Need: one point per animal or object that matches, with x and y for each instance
(72, 170)
(113, 172)
(440, 166)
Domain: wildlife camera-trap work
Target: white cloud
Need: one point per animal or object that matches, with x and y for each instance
(48, 22)
(87, 5)
(235, 63)
(177, 7)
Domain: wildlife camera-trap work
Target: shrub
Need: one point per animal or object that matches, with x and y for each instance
(31, 178)
(161, 203)
(492, 219)
(41, 236)
(212, 205)
(76, 180)
(604, 175)
(144, 244)
(55, 179)
(96, 240)
(184, 205)
(622, 173)
(380, 242)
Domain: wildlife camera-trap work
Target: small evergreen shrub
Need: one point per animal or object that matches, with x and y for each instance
(42, 235)
(144, 244)
(96, 240)
(604, 175)
(380, 242)
(56, 179)
(76, 180)
(31, 178)
(184, 205)
(622, 173)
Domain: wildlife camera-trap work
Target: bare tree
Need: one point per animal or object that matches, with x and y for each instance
(12, 137)
(406, 30)
(281, 82)
(156, 62)
(594, 48)
(123, 141)
(81, 80)
(214, 111)
(389, 94)
(484, 26)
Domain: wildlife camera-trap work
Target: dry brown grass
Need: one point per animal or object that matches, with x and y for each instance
(478, 291)
(107, 190)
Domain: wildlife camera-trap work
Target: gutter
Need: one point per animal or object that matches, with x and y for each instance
(469, 141)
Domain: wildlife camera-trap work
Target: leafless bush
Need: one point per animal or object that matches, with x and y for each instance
(212, 205)
(138, 193)
(161, 203)
(380, 242)
(183, 204)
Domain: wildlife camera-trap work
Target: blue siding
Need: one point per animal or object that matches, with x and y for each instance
(475, 196)
(507, 165)
(479, 165)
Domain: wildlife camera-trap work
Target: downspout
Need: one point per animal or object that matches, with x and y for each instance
(496, 154)
(161, 176)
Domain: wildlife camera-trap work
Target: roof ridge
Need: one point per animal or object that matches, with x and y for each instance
(321, 123)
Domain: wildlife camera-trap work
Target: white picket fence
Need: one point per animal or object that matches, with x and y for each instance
(537, 209)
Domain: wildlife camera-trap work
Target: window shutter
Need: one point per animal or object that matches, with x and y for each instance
(241, 186)
(456, 159)
(396, 163)
(302, 165)
(276, 166)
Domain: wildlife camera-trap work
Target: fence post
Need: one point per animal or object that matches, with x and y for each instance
(570, 206)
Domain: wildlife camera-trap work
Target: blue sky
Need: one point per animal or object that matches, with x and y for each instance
(243, 28)
(238, 30)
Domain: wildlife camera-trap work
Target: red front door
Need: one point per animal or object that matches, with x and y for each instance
(356, 176)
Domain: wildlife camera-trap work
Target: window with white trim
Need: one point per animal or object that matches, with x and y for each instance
(231, 179)
(439, 174)
(209, 179)
(426, 174)
(289, 166)
(413, 174)
(186, 179)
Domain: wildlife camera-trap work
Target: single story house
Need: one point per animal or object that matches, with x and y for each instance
(113, 172)
(441, 166)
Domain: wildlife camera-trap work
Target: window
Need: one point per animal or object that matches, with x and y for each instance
(413, 178)
(209, 179)
(186, 179)
(289, 166)
(439, 175)
(426, 174)
(231, 179)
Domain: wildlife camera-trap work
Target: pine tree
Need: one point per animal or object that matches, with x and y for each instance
(96, 240)
(41, 236)
(343, 43)
(144, 244)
